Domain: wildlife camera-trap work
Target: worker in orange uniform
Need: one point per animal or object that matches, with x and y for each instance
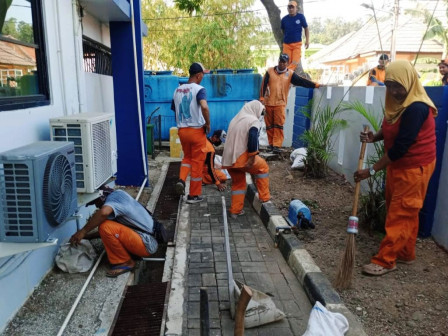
(210, 174)
(241, 156)
(274, 95)
(409, 135)
(292, 26)
(125, 227)
(193, 123)
(377, 75)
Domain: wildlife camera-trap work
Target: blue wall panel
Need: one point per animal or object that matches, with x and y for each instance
(226, 95)
(301, 123)
(439, 96)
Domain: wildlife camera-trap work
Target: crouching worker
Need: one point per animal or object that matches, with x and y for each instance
(241, 156)
(125, 227)
(211, 174)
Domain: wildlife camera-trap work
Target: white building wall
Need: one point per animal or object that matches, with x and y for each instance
(99, 88)
(346, 156)
(71, 91)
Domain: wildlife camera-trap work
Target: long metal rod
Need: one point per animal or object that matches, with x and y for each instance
(81, 293)
(228, 258)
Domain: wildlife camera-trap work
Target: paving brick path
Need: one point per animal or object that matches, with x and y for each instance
(255, 262)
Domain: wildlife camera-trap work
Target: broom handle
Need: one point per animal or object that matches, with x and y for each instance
(360, 163)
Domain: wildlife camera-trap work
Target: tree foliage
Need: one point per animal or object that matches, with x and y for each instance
(19, 30)
(330, 30)
(219, 36)
(189, 6)
(436, 28)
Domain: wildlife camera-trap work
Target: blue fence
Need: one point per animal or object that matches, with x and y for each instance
(227, 91)
(439, 96)
(301, 122)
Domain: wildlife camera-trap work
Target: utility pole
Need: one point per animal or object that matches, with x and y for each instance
(393, 51)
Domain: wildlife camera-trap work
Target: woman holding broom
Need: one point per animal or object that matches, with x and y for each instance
(408, 131)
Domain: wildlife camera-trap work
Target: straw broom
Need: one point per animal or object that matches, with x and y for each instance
(345, 271)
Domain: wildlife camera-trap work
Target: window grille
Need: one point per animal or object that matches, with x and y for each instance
(97, 57)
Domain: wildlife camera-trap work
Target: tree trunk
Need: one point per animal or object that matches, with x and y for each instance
(275, 20)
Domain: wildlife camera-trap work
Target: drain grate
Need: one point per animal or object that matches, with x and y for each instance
(141, 310)
(168, 201)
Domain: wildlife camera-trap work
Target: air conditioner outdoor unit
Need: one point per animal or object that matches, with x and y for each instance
(37, 190)
(93, 135)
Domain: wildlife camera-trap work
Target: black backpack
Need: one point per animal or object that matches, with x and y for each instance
(159, 232)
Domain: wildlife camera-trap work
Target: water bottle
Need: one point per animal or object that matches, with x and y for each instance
(296, 207)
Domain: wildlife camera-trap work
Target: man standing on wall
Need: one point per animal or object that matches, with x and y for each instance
(377, 75)
(274, 95)
(292, 25)
(193, 123)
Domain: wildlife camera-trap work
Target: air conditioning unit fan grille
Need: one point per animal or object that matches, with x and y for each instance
(102, 161)
(16, 202)
(57, 187)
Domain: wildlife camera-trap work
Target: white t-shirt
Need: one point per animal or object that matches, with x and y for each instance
(188, 111)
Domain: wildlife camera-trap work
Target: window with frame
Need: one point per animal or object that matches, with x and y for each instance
(97, 57)
(23, 67)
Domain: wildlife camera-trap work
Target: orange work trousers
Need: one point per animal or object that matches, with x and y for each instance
(274, 118)
(405, 193)
(193, 142)
(119, 240)
(259, 171)
(207, 179)
(294, 51)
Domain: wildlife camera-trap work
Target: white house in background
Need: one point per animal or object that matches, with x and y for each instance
(359, 51)
(82, 56)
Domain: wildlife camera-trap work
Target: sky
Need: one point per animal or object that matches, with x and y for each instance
(20, 9)
(349, 10)
(328, 8)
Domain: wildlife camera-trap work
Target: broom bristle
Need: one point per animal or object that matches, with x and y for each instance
(345, 271)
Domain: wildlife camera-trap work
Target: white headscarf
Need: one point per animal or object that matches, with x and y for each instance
(238, 132)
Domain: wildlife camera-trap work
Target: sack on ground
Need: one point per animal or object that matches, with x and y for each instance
(323, 322)
(297, 157)
(76, 259)
(160, 233)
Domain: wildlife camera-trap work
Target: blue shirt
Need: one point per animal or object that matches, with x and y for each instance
(292, 28)
(129, 212)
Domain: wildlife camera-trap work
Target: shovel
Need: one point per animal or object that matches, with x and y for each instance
(260, 308)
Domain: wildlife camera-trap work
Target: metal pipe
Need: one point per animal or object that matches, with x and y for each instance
(81, 293)
(204, 313)
(141, 188)
(228, 259)
(137, 87)
(78, 53)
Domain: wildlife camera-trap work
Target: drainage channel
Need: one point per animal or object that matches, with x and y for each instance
(142, 308)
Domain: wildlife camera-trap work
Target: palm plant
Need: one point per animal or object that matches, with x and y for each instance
(319, 138)
(436, 28)
(373, 205)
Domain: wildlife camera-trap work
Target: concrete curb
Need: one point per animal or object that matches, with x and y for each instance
(315, 283)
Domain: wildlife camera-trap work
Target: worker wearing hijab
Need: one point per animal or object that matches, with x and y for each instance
(408, 131)
(241, 156)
